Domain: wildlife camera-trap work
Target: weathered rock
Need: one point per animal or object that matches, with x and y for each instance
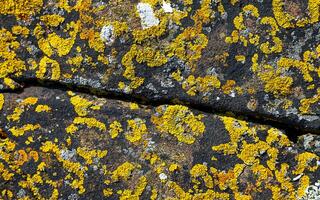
(185, 90)
(253, 58)
(61, 144)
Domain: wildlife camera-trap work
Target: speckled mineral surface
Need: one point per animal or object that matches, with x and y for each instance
(160, 99)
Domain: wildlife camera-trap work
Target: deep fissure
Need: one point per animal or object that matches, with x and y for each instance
(292, 132)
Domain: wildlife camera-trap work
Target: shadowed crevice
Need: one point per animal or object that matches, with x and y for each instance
(292, 132)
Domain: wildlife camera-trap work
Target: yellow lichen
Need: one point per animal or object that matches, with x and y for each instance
(52, 20)
(10, 63)
(22, 9)
(20, 30)
(123, 171)
(306, 103)
(20, 131)
(200, 84)
(115, 129)
(304, 160)
(1, 101)
(137, 129)
(89, 155)
(15, 116)
(90, 122)
(180, 122)
(81, 105)
(43, 65)
(43, 108)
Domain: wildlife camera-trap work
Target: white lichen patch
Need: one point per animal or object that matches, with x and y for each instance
(167, 7)
(147, 17)
(107, 34)
(163, 176)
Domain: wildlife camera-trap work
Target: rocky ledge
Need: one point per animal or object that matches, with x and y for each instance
(159, 99)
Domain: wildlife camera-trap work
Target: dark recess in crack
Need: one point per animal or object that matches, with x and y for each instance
(292, 132)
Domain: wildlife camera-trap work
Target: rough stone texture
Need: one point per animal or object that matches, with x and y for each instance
(72, 145)
(254, 58)
(185, 89)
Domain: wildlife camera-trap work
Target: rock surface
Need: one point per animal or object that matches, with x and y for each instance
(253, 58)
(154, 99)
(77, 146)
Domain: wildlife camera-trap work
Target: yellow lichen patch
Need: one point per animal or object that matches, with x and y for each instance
(274, 82)
(188, 45)
(123, 171)
(20, 30)
(15, 116)
(173, 167)
(200, 171)
(236, 129)
(20, 131)
(89, 155)
(10, 63)
(180, 122)
(306, 103)
(284, 181)
(304, 160)
(73, 167)
(304, 184)
(76, 61)
(21, 157)
(303, 66)
(43, 108)
(20, 8)
(107, 192)
(136, 129)
(240, 58)
(177, 75)
(90, 122)
(5, 173)
(82, 105)
(151, 57)
(94, 40)
(1, 101)
(151, 32)
(52, 20)
(276, 136)
(286, 20)
(53, 43)
(200, 84)
(135, 194)
(43, 65)
(228, 87)
(129, 73)
(71, 129)
(115, 129)
(134, 106)
(250, 152)
(209, 194)
(7, 193)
